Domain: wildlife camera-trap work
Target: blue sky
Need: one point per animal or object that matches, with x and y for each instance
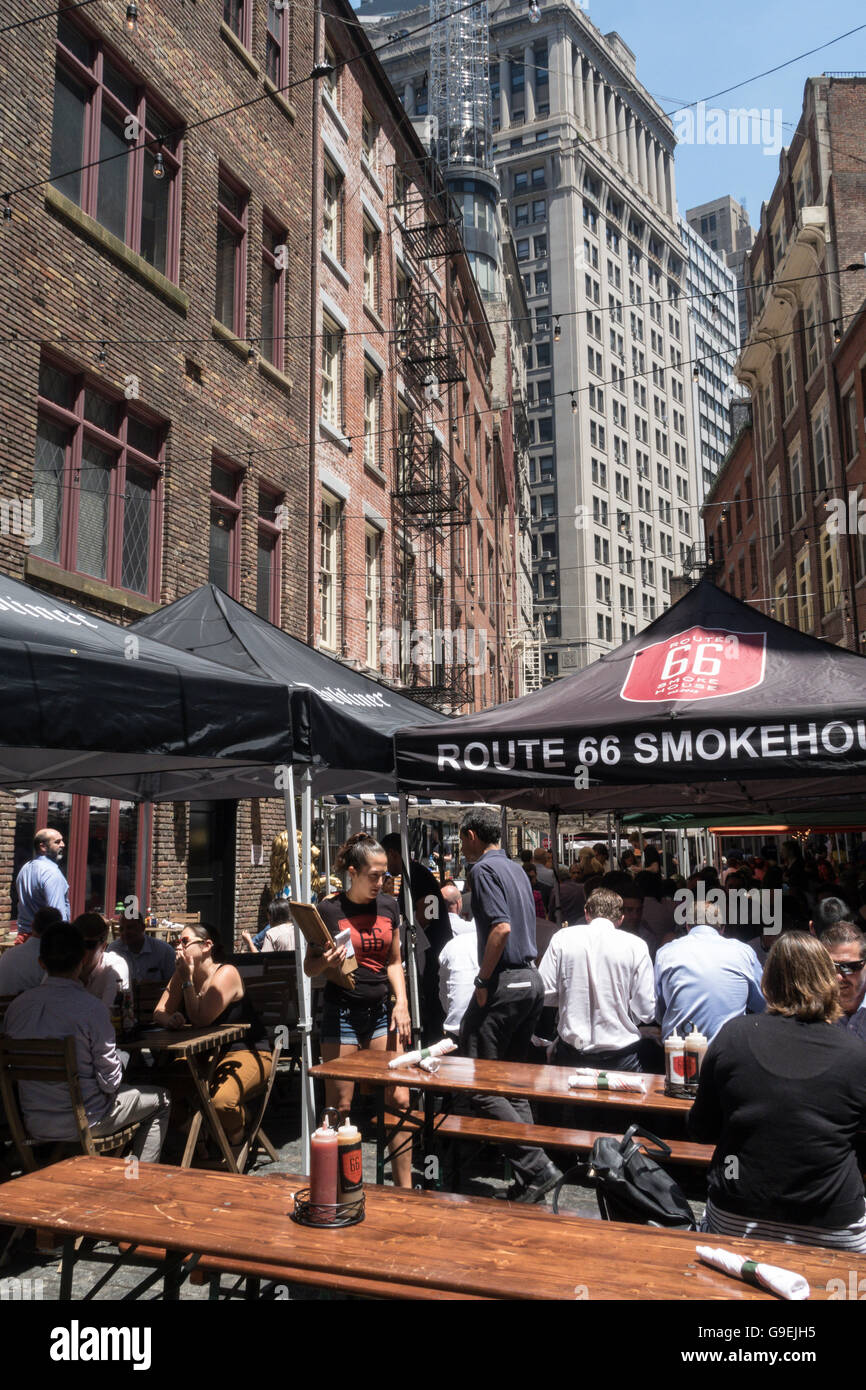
(686, 51)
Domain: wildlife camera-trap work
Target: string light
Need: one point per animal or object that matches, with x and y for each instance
(557, 328)
(573, 403)
(132, 17)
(159, 164)
(251, 353)
(837, 331)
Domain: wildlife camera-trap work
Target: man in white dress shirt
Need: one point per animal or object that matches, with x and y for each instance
(61, 1007)
(601, 981)
(103, 974)
(458, 963)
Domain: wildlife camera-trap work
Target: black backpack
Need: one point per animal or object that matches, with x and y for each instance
(629, 1185)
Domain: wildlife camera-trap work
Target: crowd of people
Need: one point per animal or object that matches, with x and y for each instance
(765, 958)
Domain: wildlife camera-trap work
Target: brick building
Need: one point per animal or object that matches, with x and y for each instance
(412, 559)
(155, 396)
(802, 362)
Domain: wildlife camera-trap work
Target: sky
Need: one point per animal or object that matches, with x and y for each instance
(688, 51)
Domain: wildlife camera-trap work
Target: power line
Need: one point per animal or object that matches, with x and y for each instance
(49, 14)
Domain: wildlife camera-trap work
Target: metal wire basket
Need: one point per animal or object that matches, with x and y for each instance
(326, 1214)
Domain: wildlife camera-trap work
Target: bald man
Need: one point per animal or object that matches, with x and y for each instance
(41, 882)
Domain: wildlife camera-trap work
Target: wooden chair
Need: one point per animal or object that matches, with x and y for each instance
(187, 919)
(274, 997)
(52, 1061)
(147, 995)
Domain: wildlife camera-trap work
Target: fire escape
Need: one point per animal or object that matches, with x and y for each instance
(431, 495)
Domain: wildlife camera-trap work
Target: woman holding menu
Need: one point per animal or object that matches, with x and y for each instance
(359, 1018)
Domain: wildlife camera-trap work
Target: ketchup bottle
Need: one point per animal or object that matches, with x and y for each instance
(323, 1170)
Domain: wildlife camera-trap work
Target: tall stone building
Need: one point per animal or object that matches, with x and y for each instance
(585, 161)
(724, 225)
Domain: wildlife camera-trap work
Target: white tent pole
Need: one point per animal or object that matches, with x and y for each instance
(411, 945)
(308, 1103)
(609, 845)
(306, 835)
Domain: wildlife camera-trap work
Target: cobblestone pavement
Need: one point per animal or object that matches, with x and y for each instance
(482, 1175)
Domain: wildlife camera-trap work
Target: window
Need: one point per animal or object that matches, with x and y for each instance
(332, 385)
(775, 510)
(521, 215)
(369, 138)
(225, 536)
(273, 338)
(407, 612)
(788, 380)
(277, 43)
(371, 266)
(422, 97)
(405, 443)
(372, 587)
(332, 212)
(795, 473)
(231, 269)
(540, 247)
(753, 565)
(545, 430)
(268, 556)
(779, 609)
(542, 355)
(238, 15)
(97, 483)
(850, 441)
(330, 567)
(539, 209)
(521, 181)
(812, 336)
(768, 420)
(821, 443)
(99, 111)
(332, 81)
(523, 248)
(542, 282)
(372, 415)
(803, 595)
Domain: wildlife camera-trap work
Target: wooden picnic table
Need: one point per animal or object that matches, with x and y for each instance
(465, 1076)
(201, 1049)
(410, 1244)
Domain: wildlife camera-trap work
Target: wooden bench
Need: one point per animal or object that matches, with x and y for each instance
(578, 1141)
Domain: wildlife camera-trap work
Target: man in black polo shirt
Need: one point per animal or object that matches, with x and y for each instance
(509, 995)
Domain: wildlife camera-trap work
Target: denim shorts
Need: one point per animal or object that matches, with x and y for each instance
(353, 1023)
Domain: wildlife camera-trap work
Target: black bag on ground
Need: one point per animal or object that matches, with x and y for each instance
(630, 1186)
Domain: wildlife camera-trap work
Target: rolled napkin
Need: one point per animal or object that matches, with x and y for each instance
(409, 1059)
(779, 1281)
(587, 1078)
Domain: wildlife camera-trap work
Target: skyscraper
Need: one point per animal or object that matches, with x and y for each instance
(585, 160)
(725, 227)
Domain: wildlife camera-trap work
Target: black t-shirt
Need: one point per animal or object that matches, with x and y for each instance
(501, 892)
(785, 1100)
(372, 925)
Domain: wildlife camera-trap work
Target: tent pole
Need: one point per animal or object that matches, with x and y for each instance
(326, 844)
(554, 838)
(411, 942)
(609, 845)
(306, 835)
(503, 827)
(308, 1101)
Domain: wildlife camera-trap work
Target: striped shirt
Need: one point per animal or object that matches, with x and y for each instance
(727, 1223)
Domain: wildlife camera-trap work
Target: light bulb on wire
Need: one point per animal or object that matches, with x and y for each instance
(159, 164)
(557, 329)
(573, 404)
(132, 17)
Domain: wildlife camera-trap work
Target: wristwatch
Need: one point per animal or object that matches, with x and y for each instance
(479, 983)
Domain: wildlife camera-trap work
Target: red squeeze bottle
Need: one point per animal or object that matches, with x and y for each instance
(323, 1171)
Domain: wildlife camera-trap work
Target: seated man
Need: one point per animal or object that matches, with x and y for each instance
(61, 1007)
(704, 979)
(104, 976)
(601, 981)
(20, 968)
(458, 964)
(279, 935)
(148, 958)
(847, 948)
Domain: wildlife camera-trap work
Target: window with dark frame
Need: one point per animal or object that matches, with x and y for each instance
(97, 481)
(107, 131)
(231, 266)
(238, 15)
(277, 43)
(224, 567)
(273, 339)
(268, 555)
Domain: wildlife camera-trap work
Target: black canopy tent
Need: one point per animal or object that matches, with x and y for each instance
(90, 707)
(713, 706)
(343, 722)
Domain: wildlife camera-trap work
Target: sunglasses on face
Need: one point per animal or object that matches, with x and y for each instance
(848, 967)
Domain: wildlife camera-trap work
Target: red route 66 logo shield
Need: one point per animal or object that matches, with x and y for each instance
(698, 664)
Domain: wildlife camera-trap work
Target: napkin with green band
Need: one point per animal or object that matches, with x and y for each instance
(779, 1281)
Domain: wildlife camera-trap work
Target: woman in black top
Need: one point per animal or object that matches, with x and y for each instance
(357, 1018)
(206, 991)
(782, 1095)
